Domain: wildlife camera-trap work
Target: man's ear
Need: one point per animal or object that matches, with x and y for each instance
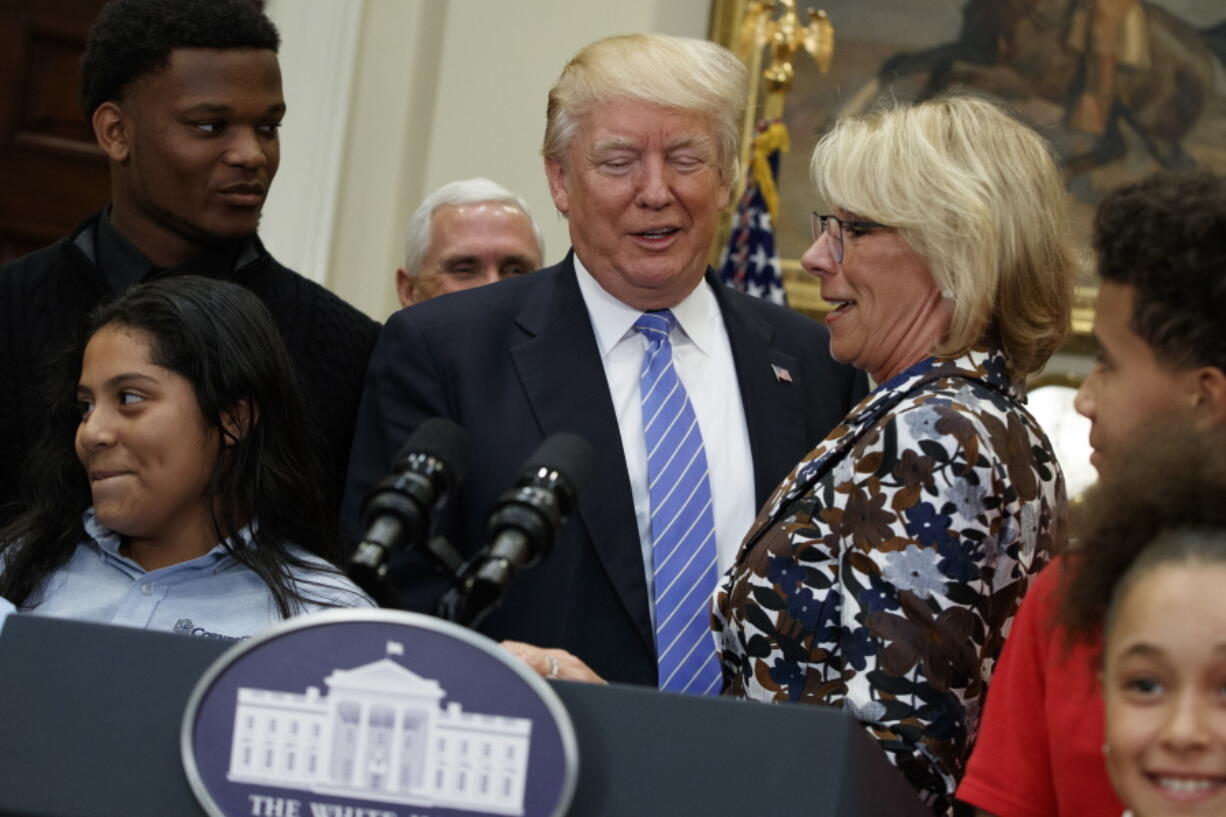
(237, 421)
(404, 287)
(727, 181)
(1211, 396)
(556, 174)
(111, 129)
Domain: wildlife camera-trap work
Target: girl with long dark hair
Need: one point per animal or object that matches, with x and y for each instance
(174, 487)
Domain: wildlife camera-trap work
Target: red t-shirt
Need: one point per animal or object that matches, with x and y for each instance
(1039, 750)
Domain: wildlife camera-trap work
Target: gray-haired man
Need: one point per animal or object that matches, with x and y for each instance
(466, 234)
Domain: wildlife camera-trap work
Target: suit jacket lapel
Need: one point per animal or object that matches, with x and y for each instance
(774, 408)
(559, 365)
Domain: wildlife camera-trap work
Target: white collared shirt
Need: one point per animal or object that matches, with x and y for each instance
(702, 357)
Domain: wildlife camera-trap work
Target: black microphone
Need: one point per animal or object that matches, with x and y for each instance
(522, 525)
(396, 513)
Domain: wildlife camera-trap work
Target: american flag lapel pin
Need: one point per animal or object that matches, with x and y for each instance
(781, 373)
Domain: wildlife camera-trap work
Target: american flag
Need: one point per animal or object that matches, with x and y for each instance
(750, 262)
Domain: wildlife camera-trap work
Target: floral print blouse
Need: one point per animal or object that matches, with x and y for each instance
(883, 573)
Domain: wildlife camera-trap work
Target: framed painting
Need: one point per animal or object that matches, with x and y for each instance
(1165, 108)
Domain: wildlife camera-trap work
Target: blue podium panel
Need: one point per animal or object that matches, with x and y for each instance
(643, 752)
(90, 719)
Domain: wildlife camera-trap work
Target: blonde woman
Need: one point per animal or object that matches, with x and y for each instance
(883, 573)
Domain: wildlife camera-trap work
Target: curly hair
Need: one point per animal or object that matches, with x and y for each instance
(133, 38)
(1166, 237)
(221, 338)
(1165, 497)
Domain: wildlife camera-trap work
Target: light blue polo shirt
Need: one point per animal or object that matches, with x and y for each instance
(211, 596)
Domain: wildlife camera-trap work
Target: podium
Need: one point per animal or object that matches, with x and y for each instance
(90, 718)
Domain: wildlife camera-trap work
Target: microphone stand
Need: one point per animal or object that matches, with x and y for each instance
(527, 524)
(375, 580)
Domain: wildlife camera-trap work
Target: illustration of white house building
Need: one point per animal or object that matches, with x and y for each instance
(381, 733)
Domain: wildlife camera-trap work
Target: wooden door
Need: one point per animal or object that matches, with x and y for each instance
(52, 173)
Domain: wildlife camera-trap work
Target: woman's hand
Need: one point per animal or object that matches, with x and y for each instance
(553, 664)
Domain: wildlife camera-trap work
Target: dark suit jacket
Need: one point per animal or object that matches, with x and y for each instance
(517, 361)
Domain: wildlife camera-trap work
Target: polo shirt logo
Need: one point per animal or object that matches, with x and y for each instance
(184, 626)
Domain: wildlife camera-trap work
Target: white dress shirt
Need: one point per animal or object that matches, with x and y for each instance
(702, 357)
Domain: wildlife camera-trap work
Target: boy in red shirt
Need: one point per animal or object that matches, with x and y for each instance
(1161, 246)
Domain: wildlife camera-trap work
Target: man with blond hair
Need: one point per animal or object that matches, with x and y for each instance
(467, 234)
(697, 399)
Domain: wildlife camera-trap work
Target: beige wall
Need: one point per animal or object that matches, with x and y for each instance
(433, 91)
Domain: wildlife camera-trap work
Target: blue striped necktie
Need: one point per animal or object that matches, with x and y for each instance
(682, 518)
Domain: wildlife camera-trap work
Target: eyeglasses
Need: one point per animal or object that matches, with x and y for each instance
(835, 227)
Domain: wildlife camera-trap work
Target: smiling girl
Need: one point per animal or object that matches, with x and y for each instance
(1149, 575)
(173, 489)
(1164, 678)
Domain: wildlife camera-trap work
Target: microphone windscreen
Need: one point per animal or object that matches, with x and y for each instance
(443, 440)
(568, 454)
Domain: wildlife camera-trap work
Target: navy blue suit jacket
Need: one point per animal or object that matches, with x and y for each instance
(516, 361)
